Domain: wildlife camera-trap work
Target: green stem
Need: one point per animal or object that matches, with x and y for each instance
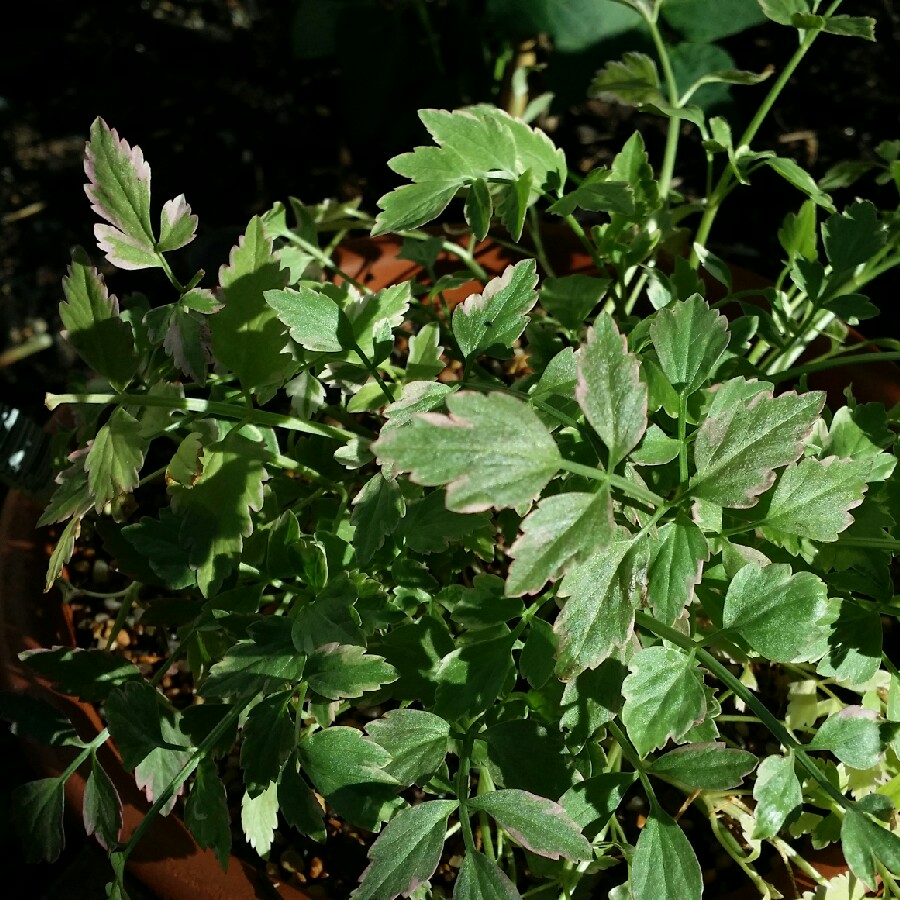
(674, 125)
(832, 362)
(726, 180)
(485, 786)
(777, 729)
(187, 770)
(462, 787)
(325, 261)
(205, 407)
(627, 487)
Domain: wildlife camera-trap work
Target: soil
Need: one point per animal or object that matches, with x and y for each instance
(228, 114)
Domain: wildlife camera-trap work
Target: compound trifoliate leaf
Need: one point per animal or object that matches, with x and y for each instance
(491, 451)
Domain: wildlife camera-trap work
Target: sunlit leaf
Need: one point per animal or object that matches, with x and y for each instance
(664, 863)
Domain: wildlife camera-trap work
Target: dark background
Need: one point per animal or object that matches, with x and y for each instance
(227, 112)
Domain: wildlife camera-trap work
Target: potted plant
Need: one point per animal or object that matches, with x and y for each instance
(545, 581)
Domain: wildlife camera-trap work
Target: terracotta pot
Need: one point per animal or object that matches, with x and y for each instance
(167, 862)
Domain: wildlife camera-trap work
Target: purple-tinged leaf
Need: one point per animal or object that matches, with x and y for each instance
(187, 341)
(102, 807)
(536, 823)
(491, 451)
(206, 812)
(93, 326)
(407, 852)
(610, 390)
(36, 812)
(675, 568)
(664, 865)
(598, 615)
(739, 447)
(177, 226)
(481, 878)
(119, 190)
(560, 531)
(708, 767)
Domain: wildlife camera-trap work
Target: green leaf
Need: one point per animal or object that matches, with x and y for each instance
(861, 433)
(656, 448)
(705, 767)
(561, 531)
(417, 741)
(102, 807)
(37, 719)
(37, 809)
(259, 818)
(268, 738)
(186, 341)
(299, 806)
(813, 498)
(593, 698)
(159, 542)
(247, 336)
(206, 812)
(461, 451)
(739, 446)
(610, 390)
(776, 612)
(853, 237)
(783, 11)
(312, 317)
(423, 361)
(571, 298)
(537, 824)
(119, 190)
(851, 26)
(866, 843)
(215, 511)
(664, 864)
(350, 771)
(177, 226)
(854, 645)
(374, 316)
(249, 666)
(598, 616)
(470, 678)
(414, 205)
(664, 697)
(777, 793)
(525, 754)
(537, 659)
(632, 80)
(135, 712)
(339, 671)
(377, 511)
(87, 674)
(597, 193)
(407, 852)
(429, 527)
(479, 208)
(114, 458)
(415, 649)
(481, 878)
(591, 802)
(675, 568)
(93, 325)
(853, 735)
(800, 179)
(690, 339)
(797, 234)
(496, 317)
(702, 20)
